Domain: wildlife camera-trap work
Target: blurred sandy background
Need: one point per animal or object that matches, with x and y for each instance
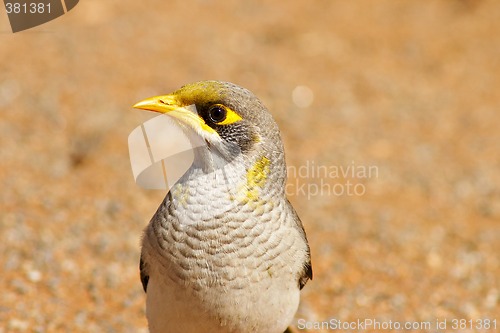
(409, 87)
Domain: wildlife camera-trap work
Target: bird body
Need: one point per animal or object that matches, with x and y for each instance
(225, 252)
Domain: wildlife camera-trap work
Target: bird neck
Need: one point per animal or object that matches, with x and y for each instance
(244, 179)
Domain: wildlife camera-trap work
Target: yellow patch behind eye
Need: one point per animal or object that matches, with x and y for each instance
(231, 117)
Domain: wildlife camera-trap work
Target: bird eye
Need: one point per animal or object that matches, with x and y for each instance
(217, 113)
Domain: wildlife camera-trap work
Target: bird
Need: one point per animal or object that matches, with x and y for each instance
(225, 251)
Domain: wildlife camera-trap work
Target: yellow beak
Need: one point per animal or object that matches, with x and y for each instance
(169, 104)
(162, 104)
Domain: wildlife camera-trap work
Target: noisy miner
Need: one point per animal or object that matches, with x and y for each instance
(225, 252)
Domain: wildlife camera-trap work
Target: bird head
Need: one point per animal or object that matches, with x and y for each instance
(231, 120)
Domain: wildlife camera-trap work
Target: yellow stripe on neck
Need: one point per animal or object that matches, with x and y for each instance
(256, 178)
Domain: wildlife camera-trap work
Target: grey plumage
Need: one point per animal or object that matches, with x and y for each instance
(226, 251)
